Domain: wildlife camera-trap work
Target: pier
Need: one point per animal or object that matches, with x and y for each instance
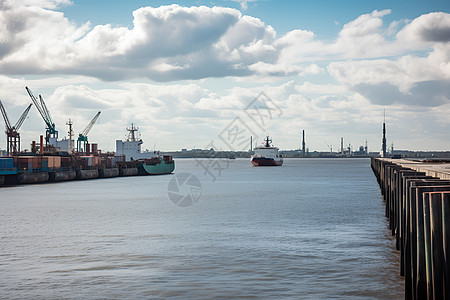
(417, 198)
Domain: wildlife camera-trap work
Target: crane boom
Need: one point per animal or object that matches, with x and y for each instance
(90, 125)
(50, 131)
(5, 117)
(38, 106)
(22, 117)
(45, 109)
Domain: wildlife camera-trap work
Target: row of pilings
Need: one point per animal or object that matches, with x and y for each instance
(418, 210)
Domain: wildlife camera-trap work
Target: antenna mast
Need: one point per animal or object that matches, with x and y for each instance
(384, 135)
(131, 135)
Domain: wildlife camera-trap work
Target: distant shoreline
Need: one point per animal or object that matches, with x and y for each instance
(200, 153)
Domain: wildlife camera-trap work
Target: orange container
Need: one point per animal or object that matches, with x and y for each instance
(57, 161)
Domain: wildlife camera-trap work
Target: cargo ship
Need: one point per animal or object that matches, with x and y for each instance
(48, 164)
(147, 163)
(266, 155)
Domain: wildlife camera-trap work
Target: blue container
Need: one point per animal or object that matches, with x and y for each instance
(6, 163)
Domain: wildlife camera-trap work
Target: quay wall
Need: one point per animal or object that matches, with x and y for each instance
(128, 172)
(32, 178)
(417, 198)
(106, 173)
(62, 176)
(87, 174)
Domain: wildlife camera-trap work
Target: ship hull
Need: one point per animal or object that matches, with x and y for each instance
(158, 168)
(266, 162)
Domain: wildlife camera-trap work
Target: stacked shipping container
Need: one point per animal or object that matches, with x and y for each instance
(6, 163)
(38, 163)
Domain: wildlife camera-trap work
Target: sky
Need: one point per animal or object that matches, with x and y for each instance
(210, 74)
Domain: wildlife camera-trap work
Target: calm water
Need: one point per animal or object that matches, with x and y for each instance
(309, 229)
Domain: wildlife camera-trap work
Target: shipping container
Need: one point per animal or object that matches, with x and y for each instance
(57, 162)
(96, 161)
(87, 159)
(6, 162)
(65, 162)
(24, 162)
(50, 162)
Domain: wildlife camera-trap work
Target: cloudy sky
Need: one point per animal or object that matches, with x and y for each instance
(190, 73)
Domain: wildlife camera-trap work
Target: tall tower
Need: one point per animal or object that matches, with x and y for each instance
(70, 133)
(303, 145)
(383, 143)
(342, 146)
(251, 143)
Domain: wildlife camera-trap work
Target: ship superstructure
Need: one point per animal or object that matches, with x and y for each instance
(131, 148)
(147, 163)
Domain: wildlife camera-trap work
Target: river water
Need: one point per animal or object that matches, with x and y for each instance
(312, 228)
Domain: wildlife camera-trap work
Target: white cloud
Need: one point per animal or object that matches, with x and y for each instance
(244, 3)
(365, 25)
(165, 43)
(410, 79)
(311, 88)
(432, 27)
(50, 4)
(265, 69)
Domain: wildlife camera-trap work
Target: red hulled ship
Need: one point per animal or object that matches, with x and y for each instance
(267, 155)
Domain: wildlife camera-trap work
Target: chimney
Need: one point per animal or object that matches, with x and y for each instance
(41, 146)
(303, 145)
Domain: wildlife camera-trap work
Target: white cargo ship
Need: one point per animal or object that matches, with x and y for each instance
(148, 163)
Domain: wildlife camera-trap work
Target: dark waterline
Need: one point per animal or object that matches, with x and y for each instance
(308, 229)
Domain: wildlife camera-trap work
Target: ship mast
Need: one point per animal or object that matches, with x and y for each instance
(131, 136)
(268, 141)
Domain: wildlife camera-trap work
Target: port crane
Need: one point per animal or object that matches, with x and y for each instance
(12, 134)
(50, 131)
(82, 137)
(329, 147)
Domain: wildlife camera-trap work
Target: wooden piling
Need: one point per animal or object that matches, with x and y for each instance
(437, 250)
(408, 245)
(446, 241)
(417, 235)
(417, 202)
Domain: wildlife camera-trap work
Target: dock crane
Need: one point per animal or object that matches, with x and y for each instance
(329, 147)
(12, 134)
(82, 137)
(50, 130)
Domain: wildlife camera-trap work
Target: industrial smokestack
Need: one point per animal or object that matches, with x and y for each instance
(342, 145)
(303, 145)
(251, 143)
(41, 146)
